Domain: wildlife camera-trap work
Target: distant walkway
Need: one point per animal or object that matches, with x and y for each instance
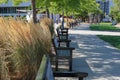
(89, 32)
(93, 55)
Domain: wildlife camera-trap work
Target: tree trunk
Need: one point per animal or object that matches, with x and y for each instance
(67, 20)
(63, 19)
(52, 15)
(93, 18)
(97, 18)
(67, 17)
(47, 11)
(34, 10)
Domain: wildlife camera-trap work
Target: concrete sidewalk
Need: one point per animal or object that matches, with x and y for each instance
(93, 55)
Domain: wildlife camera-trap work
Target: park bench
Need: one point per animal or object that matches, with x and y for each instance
(61, 42)
(62, 53)
(45, 71)
(62, 38)
(62, 33)
(63, 30)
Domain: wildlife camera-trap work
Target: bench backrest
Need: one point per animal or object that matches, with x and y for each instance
(63, 53)
(45, 71)
(62, 34)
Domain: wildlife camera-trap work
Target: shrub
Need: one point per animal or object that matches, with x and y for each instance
(22, 45)
(49, 23)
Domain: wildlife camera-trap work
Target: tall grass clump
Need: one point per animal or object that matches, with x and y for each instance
(49, 23)
(22, 46)
(68, 22)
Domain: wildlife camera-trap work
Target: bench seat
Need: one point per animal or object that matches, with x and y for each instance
(45, 71)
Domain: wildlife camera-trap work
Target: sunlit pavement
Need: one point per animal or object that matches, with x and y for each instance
(93, 55)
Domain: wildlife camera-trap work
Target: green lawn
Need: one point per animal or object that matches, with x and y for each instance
(113, 40)
(104, 27)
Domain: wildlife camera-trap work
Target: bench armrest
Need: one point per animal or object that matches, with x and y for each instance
(64, 29)
(80, 75)
(65, 48)
(64, 40)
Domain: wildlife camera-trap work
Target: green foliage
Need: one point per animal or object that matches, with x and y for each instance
(74, 7)
(113, 40)
(88, 6)
(42, 3)
(16, 2)
(65, 6)
(115, 10)
(3, 1)
(69, 7)
(104, 27)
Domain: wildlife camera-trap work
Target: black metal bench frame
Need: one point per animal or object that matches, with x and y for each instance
(62, 33)
(48, 74)
(62, 30)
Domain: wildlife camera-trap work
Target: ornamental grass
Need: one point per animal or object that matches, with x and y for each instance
(49, 23)
(22, 46)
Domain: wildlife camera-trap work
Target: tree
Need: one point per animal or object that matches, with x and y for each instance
(33, 2)
(64, 7)
(115, 10)
(89, 8)
(44, 5)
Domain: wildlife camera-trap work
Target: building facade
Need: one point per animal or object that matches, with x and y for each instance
(8, 9)
(105, 5)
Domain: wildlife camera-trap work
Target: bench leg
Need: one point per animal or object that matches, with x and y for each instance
(56, 65)
(80, 78)
(68, 44)
(70, 64)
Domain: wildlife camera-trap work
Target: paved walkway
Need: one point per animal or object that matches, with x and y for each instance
(117, 25)
(93, 55)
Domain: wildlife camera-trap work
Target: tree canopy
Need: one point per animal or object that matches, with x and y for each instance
(69, 7)
(16, 2)
(115, 10)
